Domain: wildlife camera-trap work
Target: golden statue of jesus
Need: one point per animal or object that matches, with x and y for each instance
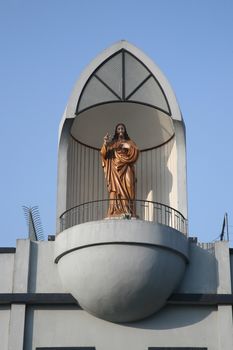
(118, 157)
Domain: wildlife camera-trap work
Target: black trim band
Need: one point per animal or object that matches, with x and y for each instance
(7, 250)
(177, 348)
(68, 299)
(37, 298)
(201, 299)
(68, 348)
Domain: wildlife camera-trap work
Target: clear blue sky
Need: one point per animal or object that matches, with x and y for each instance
(45, 44)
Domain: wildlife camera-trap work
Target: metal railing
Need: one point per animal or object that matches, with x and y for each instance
(145, 210)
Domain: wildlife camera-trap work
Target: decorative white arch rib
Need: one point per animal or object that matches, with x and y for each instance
(71, 108)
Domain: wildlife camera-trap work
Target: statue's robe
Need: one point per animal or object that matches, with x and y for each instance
(118, 164)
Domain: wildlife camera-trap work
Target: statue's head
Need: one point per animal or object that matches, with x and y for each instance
(120, 132)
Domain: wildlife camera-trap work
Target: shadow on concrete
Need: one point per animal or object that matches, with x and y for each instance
(201, 276)
(172, 317)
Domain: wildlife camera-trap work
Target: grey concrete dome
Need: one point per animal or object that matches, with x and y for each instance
(121, 270)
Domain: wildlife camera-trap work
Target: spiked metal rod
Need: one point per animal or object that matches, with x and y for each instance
(32, 216)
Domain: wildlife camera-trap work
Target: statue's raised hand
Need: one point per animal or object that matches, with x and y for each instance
(107, 139)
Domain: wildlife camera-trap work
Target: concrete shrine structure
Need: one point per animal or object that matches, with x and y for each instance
(119, 283)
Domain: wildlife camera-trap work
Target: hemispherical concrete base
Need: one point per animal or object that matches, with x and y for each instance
(121, 270)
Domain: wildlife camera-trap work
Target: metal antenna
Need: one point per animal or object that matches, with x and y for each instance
(32, 216)
(225, 227)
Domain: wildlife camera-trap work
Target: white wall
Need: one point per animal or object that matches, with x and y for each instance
(4, 326)
(6, 275)
(43, 274)
(173, 326)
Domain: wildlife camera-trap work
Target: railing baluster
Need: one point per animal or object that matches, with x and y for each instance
(145, 210)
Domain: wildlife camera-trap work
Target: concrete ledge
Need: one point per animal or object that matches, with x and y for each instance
(120, 231)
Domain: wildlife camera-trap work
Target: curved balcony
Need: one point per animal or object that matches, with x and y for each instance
(146, 210)
(121, 270)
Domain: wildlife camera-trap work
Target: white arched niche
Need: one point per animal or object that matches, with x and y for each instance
(122, 85)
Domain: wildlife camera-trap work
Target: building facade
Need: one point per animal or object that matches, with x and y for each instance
(119, 283)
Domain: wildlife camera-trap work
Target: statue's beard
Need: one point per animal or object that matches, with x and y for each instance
(121, 136)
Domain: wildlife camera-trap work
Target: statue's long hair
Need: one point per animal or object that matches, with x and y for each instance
(126, 136)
